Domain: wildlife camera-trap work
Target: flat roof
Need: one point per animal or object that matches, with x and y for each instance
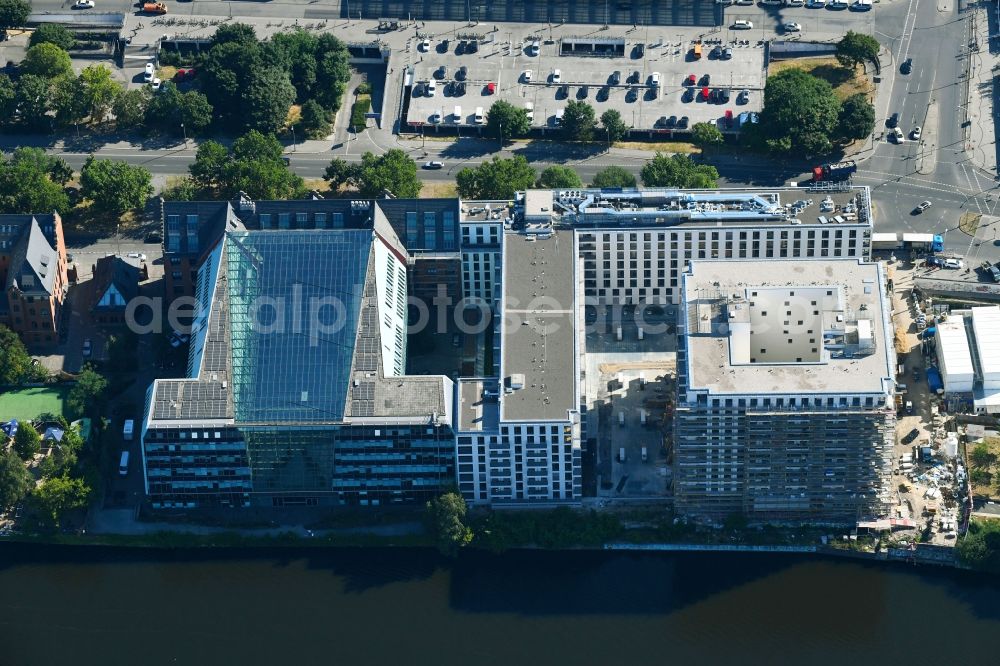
(854, 293)
(539, 336)
(953, 350)
(986, 325)
(476, 411)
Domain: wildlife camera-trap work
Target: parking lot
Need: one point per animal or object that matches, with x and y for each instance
(646, 83)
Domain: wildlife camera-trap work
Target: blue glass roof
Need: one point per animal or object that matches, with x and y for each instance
(294, 299)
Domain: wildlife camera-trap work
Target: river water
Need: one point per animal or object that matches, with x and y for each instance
(78, 606)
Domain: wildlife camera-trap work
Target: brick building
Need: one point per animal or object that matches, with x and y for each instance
(33, 273)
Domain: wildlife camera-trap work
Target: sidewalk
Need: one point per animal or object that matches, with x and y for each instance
(980, 141)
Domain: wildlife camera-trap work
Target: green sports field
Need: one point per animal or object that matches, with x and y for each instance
(26, 404)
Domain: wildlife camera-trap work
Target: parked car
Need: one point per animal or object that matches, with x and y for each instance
(742, 24)
(791, 26)
(556, 76)
(155, 84)
(149, 72)
(682, 123)
(136, 255)
(87, 348)
(425, 45)
(526, 76)
(83, 4)
(953, 264)
(910, 436)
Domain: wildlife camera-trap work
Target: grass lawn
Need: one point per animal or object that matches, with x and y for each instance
(27, 404)
(845, 82)
(435, 190)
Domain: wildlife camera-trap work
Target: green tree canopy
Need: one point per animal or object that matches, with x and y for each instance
(613, 176)
(13, 13)
(579, 121)
(130, 107)
(706, 134)
(855, 48)
(33, 180)
(87, 394)
(800, 113)
(68, 100)
(53, 34)
(981, 456)
(504, 120)
(99, 91)
(254, 165)
(856, 119)
(499, 178)
(60, 495)
(15, 362)
(27, 441)
(15, 480)
(8, 95)
(48, 61)
(115, 187)
(393, 171)
(559, 176)
(179, 113)
(444, 516)
(678, 171)
(32, 98)
(315, 120)
(234, 32)
(615, 128)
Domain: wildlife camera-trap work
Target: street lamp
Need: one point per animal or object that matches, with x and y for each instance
(185, 134)
(500, 125)
(293, 138)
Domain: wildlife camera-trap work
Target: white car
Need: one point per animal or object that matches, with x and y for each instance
(742, 24)
(654, 79)
(425, 45)
(791, 26)
(556, 76)
(155, 84)
(136, 255)
(816, 4)
(437, 117)
(794, 3)
(149, 73)
(723, 2)
(529, 109)
(838, 4)
(431, 88)
(897, 135)
(915, 134)
(83, 4)
(433, 165)
(744, 3)
(526, 76)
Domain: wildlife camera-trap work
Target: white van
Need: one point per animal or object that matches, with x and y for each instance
(559, 116)
(431, 88)
(458, 115)
(529, 107)
(480, 118)
(862, 5)
(123, 464)
(742, 24)
(128, 429)
(654, 79)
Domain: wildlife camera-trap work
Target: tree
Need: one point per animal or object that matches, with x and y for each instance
(504, 120)
(706, 134)
(338, 173)
(87, 393)
(129, 108)
(60, 495)
(52, 34)
(15, 363)
(393, 171)
(614, 127)
(269, 94)
(48, 61)
(800, 114)
(115, 187)
(206, 170)
(254, 165)
(27, 441)
(8, 94)
(856, 119)
(179, 113)
(13, 13)
(613, 176)
(559, 176)
(678, 171)
(578, 121)
(315, 121)
(444, 516)
(32, 101)
(499, 178)
(59, 462)
(981, 456)
(855, 48)
(68, 101)
(15, 480)
(33, 180)
(234, 32)
(99, 91)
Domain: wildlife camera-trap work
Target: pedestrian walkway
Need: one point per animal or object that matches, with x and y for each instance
(980, 137)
